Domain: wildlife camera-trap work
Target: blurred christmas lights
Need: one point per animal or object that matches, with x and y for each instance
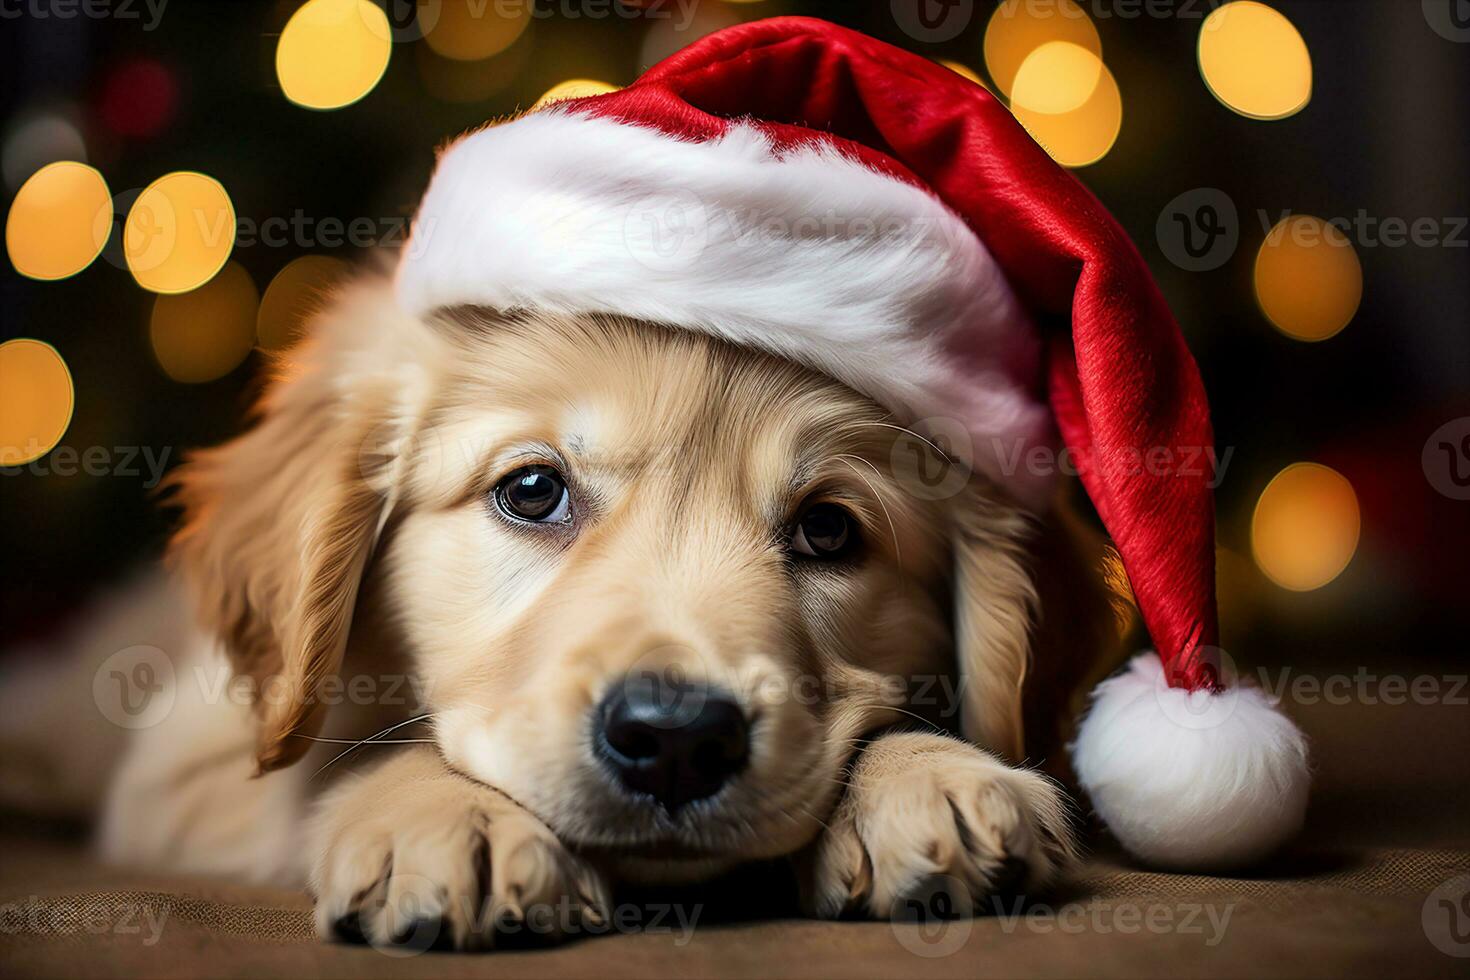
(573, 88)
(1254, 61)
(139, 99)
(1019, 27)
(1057, 77)
(204, 334)
(33, 141)
(472, 30)
(294, 294)
(333, 52)
(179, 232)
(1305, 528)
(962, 69)
(1047, 58)
(1084, 135)
(1308, 279)
(59, 221)
(36, 400)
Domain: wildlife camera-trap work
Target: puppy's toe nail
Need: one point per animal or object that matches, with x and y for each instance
(347, 928)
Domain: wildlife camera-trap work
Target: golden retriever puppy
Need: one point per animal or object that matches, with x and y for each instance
(650, 606)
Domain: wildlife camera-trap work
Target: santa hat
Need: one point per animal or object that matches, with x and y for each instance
(801, 188)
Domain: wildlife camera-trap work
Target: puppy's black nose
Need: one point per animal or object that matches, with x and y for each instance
(676, 741)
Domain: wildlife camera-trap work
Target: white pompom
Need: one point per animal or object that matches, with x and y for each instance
(1191, 780)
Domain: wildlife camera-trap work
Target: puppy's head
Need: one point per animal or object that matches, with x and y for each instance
(656, 587)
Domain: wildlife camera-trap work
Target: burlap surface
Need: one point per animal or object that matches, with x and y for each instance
(1370, 891)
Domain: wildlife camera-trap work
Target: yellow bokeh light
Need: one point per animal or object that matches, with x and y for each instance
(1019, 27)
(471, 30)
(179, 232)
(332, 52)
(205, 334)
(36, 400)
(959, 68)
(1254, 61)
(59, 221)
(573, 88)
(1084, 135)
(293, 295)
(1305, 527)
(1057, 77)
(1308, 279)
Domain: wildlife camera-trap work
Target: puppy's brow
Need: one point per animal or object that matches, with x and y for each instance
(492, 462)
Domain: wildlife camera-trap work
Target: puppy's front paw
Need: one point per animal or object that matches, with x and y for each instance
(415, 859)
(926, 814)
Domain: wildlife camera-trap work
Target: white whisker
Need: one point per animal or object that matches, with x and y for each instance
(370, 739)
(900, 428)
(892, 528)
(356, 741)
(905, 711)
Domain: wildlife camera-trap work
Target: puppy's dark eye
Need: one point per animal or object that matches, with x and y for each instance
(824, 531)
(534, 493)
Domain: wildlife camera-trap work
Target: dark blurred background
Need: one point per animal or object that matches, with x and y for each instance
(1364, 562)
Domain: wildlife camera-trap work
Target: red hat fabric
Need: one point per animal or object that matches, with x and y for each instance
(1008, 299)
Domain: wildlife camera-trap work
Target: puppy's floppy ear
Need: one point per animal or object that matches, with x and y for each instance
(1036, 612)
(995, 606)
(1082, 631)
(279, 523)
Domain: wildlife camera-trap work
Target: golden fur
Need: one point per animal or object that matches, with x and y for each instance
(348, 534)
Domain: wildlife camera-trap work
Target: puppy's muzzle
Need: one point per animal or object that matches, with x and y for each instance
(671, 740)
